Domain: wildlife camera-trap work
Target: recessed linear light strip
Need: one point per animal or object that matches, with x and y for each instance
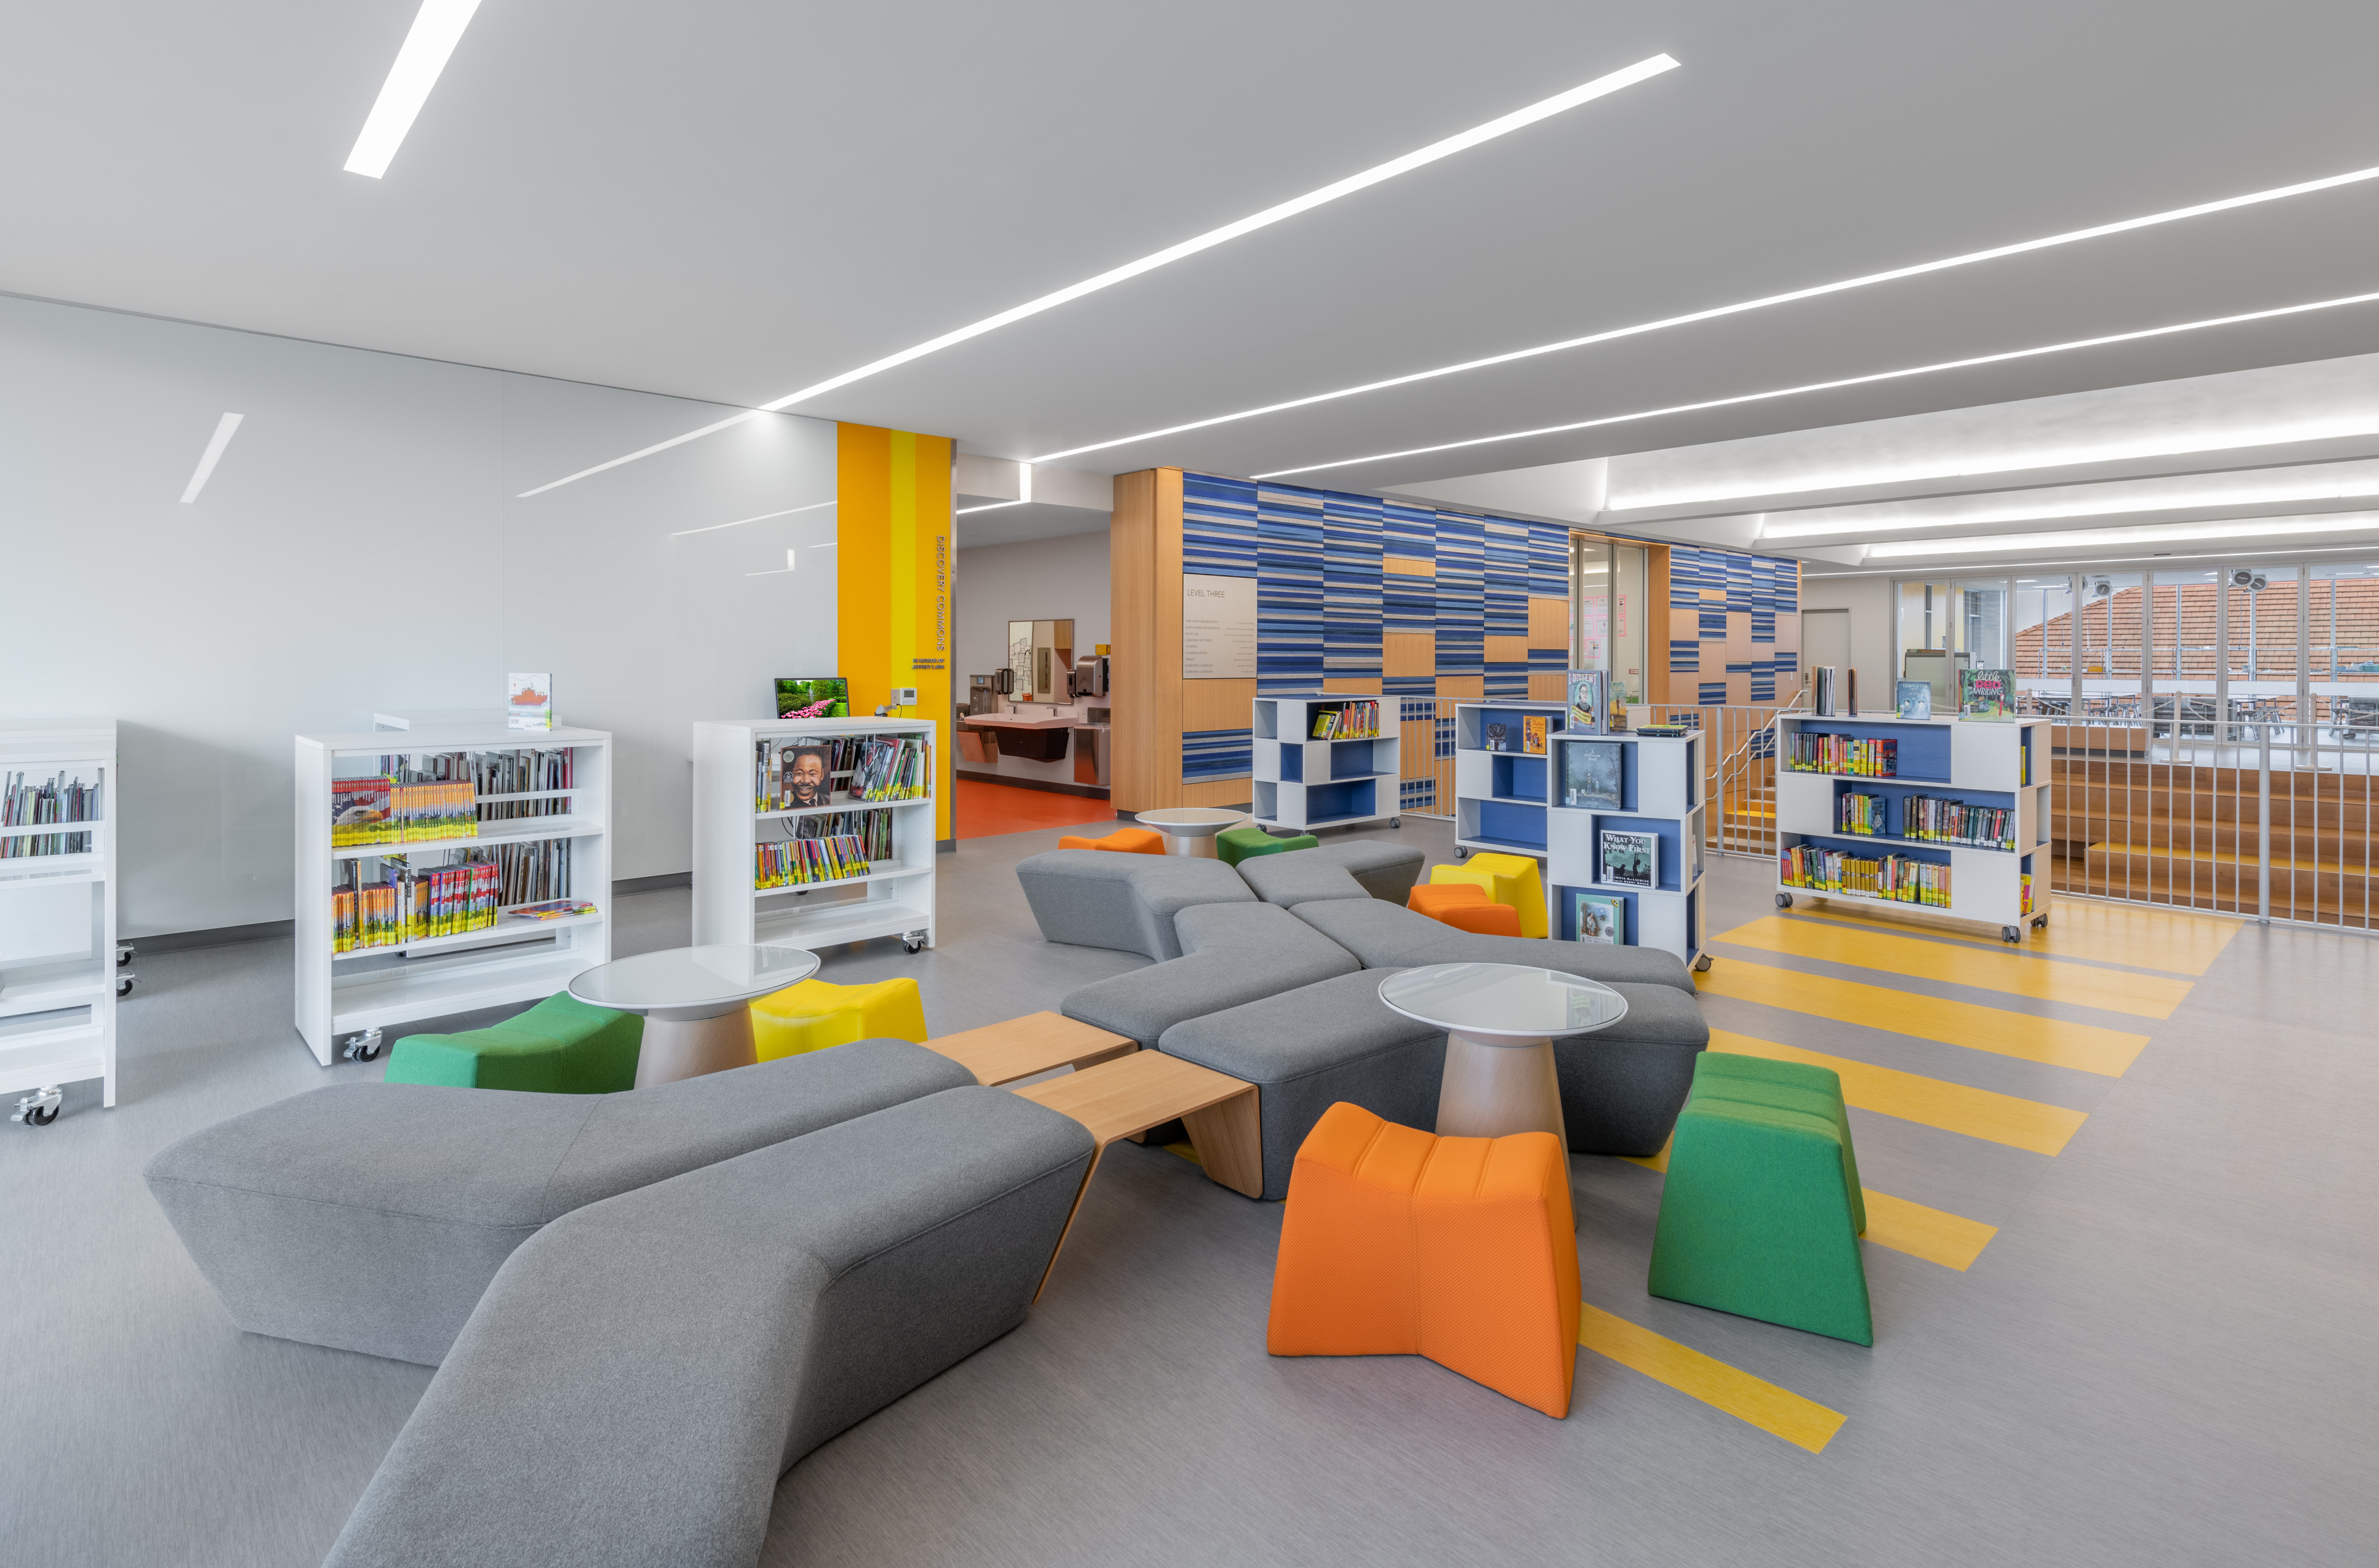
(1835, 385)
(2082, 539)
(437, 28)
(1970, 259)
(2367, 484)
(1519, 118)
(224, 427)
(2044, 565)
(788, 511)
(1024, 488)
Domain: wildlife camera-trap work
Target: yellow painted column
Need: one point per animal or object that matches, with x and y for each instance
(894, 577)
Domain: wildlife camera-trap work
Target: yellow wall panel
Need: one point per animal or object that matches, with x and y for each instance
(1548, 623)
(1353, 685)
(1410, 653)
(1407, 566)
(1507, 650)
(1547, 686)
(1461, 688)
(893, 575)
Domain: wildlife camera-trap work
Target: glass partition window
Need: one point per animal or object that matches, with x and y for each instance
(2344, 644)
(2043, 641)
(1629, 615)
(2109, 642)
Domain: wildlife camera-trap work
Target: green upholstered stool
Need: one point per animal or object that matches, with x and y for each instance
(1236, 844)
(559, 1047)
(1762, 1211)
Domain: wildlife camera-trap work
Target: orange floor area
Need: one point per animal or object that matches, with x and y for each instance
(986, 811)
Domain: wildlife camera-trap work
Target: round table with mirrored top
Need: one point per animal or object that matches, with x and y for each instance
(696, 1002)
(1500, 1022)
(1190, 830)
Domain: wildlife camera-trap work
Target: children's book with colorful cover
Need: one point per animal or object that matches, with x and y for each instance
(1532, 734)
(528, 701)
(1986, 695)
(1916, 699)
(1600, 919)
(1586, 688)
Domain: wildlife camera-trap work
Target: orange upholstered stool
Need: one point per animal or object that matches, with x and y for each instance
(1462, 1250)
(1129, 840)
(1466, 906)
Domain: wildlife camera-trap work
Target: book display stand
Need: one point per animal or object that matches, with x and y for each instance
(1501, 790)
(1303, 781)
(739, 842)
(347, 997)
(1623, 788)
(60, 967)
(1956, 810)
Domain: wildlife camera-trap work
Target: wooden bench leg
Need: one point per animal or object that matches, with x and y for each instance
(1229, 1139)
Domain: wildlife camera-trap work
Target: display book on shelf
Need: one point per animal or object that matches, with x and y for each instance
(1325, 760)
(1932, 818)
(60, 965)
(446, 868)
(1624, 816)
(813, 831)
(1499, 785)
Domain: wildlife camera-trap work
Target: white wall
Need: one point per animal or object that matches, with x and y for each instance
(1868, 599)
(1036, 580)
(360, 547)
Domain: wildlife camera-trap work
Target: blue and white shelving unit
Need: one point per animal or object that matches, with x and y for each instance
(1500, 796)
(1302, 784)
(1998, 765)
(1660, 791)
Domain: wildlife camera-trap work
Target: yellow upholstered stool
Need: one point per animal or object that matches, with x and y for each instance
(1509, 879)
(816, 1014)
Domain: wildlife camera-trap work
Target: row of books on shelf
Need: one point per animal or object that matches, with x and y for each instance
(1928, 817)
(800, 771)
(872, 828)
(24, 804)
(1896, 878)
(1813, 753)
(407, 903)
(505, 772)
(383, 811)
(1347, 721)
(791, 862)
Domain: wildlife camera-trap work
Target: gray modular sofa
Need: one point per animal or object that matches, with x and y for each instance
(1101, 899)
(642, 1371)
(371, 1216)
(1231, 953)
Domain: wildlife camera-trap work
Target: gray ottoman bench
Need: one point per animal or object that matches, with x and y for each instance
(1307, 1049)
(1234, 953)
(1386, 871)
(1103, 898)
(1299, 876)
(643, 1370)
(371, 1216)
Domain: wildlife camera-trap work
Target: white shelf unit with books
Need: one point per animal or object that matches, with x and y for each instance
(1302, 782)
(893, 898)
(347, 999)
(1500, 790)
(59, 977)
(1981, 765)
(1647, 785)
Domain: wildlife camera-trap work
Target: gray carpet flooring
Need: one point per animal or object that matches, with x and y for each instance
(2163, 1358)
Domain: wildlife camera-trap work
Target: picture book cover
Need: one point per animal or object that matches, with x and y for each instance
(1532, 734)
(1325, 722)
(1586, 701)
(823, 696)
(1591, 773)
(1986, 695)
(1630, 860)
(1498, 737)
(528, 701)
(1916, 699)
(1600, 919)
(361, 812)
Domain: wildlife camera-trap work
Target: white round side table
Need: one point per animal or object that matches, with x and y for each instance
(1190, 830)
(1500, 1020)
(696, 1003)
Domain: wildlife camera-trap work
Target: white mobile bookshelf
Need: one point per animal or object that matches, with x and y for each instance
(59, 976)
(1302, 783)
(1998, 765)
(350, 997)
(1661, 785)
(1500, 796)
(895, 898)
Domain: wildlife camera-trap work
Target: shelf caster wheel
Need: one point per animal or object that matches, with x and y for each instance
(363, 1047)
(123, 955)
(1702, 964)
(915, 942)
(1397, 822)
(123, 985)
(1783, 900)
(2040, 923)
(1460, 853)
(40, 1107)
(2011, 932)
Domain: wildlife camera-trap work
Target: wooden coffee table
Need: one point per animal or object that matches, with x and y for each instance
(1038, 1042)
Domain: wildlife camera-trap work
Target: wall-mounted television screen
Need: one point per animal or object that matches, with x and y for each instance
(821, 696)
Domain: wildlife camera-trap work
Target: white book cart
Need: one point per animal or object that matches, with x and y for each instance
(345, 1000)
(1659, 786)
(60, 967)
(1500, 792)
(1977, 763)
(894, 898)
(1302, 783)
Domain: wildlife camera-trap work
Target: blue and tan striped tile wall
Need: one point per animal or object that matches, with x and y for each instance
(1733, 627)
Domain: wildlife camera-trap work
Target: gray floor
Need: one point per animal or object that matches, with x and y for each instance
(2164, 1357)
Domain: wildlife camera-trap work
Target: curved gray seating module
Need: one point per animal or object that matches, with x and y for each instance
(371, 1216)
(1622, 1087)
(1308, 1048)
(1102, 899)
(1386, 871)
(1235, 953)
(1387, 936)
(643, 1370)
(1299, 876)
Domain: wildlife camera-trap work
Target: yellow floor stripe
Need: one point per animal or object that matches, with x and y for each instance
(1952, 1107)
(1935, 1235)
(1778, 1411)
(2144, 996)
(2115, 934)
(2109, 1052)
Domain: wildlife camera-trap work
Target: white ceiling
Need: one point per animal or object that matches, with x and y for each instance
(729, 199)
